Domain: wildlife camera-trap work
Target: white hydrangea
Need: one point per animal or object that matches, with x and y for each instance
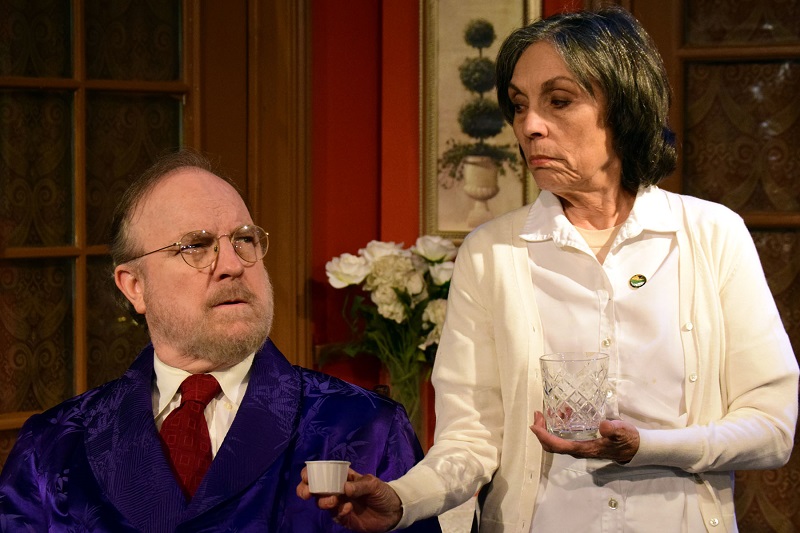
(389, 306)
(434, 314)
(391, 270)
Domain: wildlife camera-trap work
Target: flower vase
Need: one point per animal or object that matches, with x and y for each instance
(406, 389)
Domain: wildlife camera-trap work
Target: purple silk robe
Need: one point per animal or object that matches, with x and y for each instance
(95, 462)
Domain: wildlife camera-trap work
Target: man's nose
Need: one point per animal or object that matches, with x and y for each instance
(228, 261)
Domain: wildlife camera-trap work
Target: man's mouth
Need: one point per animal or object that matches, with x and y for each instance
(230, 302)
(226, 300)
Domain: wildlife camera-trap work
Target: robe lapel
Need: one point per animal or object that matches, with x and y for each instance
(262, 433)
(124, 451)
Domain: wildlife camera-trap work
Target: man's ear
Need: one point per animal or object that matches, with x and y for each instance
(130, 283)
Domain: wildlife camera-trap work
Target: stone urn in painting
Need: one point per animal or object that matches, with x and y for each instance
(480, 184)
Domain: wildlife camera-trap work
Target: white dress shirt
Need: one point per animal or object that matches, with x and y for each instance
(220, 411)
(588, 306)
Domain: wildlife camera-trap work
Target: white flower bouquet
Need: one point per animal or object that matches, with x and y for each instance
(402, 320)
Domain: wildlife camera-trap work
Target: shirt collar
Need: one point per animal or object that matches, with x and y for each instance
(546, 220)
(232, 381)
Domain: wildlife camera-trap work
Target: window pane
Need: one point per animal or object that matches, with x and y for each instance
(742, 145)
(780, 255)
(36, 205)
(35, 38)
(133, 40)
(114, 338)
(36, 299)
(734, 22)
(124, 134)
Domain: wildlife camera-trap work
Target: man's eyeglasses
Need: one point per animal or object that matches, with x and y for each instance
(200, 248)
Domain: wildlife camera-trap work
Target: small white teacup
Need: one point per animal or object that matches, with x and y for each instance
(327, 477)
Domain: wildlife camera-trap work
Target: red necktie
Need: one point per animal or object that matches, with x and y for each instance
(185, 432)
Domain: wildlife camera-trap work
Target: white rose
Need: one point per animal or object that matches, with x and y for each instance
(347, 269)
(376, 249)
(435, 248)
(441, 273)
(415, 284)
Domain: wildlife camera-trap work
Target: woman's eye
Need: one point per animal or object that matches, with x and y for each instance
(558, 103)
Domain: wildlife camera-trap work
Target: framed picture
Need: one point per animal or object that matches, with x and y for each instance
(471, 167)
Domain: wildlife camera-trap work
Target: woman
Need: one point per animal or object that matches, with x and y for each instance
(603, 261)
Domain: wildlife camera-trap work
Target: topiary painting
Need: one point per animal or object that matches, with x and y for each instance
(480, 117)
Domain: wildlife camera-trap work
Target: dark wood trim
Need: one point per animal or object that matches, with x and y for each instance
(738, 53)
(278, 162)
(15, 419)
(771, 220)
(80, 320)
(597, 4)
(138, 86)
(660, 21)
(190, 74)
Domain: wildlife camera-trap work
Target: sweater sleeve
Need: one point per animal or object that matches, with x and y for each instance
(758, 372)
(469, 407)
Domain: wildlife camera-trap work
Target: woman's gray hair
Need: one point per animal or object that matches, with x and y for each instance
(611, 49)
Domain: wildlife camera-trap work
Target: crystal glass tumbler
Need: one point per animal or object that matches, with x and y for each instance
(575, 387)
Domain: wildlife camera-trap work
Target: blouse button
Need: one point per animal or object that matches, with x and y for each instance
(228, 406)
(692, 377)
(606, 343)
(713, 522)
(688, 326)
(612, 503)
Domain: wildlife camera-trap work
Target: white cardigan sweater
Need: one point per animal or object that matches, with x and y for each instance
(741, 381)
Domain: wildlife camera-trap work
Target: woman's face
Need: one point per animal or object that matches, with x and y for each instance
(560, 127)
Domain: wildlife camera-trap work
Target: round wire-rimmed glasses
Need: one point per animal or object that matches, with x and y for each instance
(200, 248)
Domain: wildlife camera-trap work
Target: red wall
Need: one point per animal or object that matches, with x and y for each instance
(365, 146)
(551, 7)
(400, 127)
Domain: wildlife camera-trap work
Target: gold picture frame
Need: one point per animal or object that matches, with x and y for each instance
(446, 208)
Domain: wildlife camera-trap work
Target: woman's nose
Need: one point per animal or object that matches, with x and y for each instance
(532, 124)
